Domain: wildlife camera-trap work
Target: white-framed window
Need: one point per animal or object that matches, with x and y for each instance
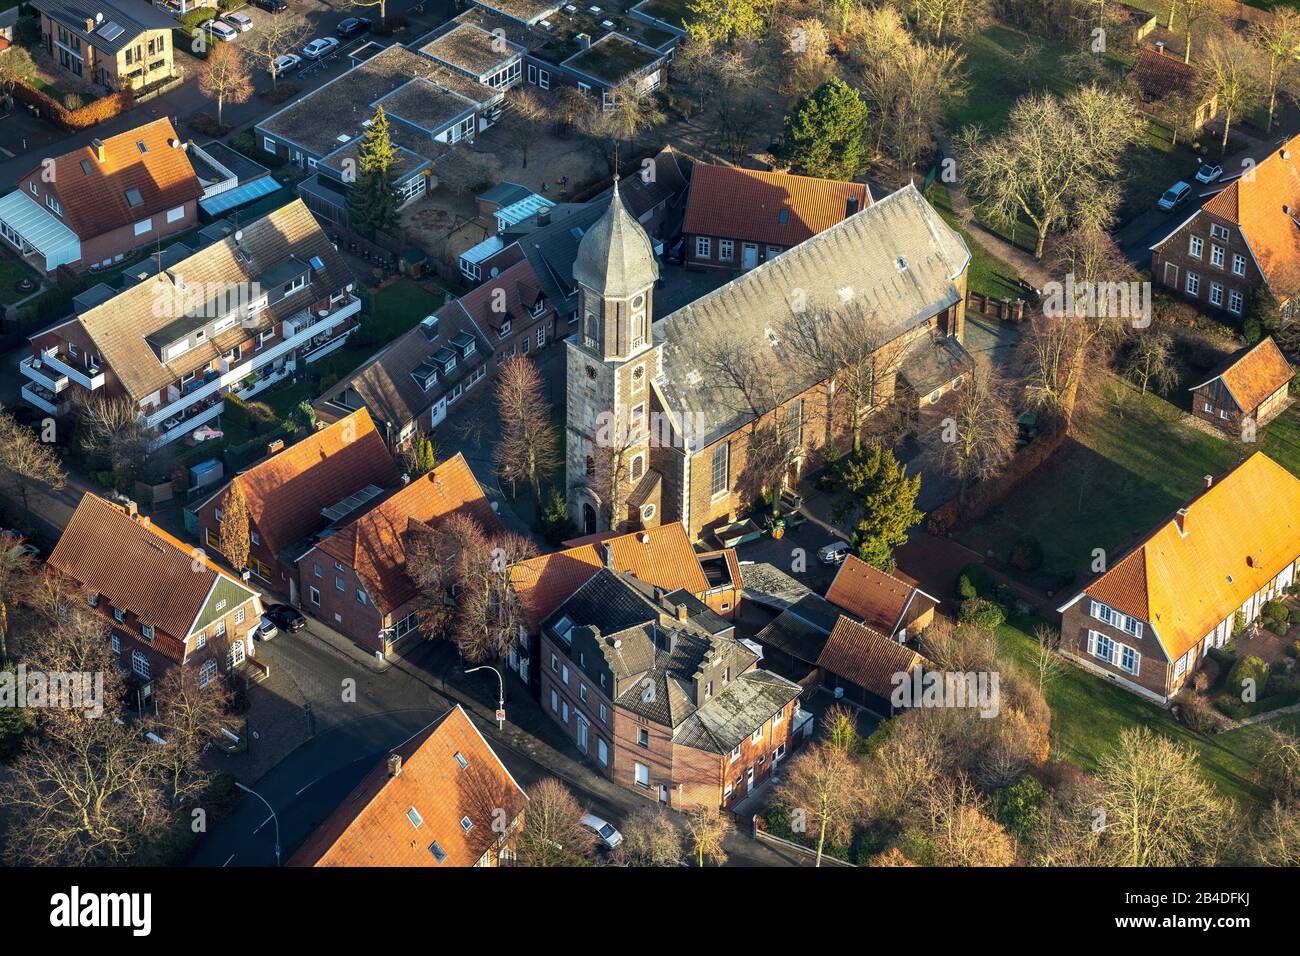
(314, 593)
(555, 664)
(1129, 659)
(268, 144)
(1209, 408)
(564, 673)
(1114, 618)
(175, 215)
(220, 629)
(1234, 302)
(643, 737)
(604, 714)
(564, 712)
(1101, 647)
(362, 599)
(1193, 286)
(1195, 246)
(642, 776)
(555, 702)
(777, 718)
(735, 754)
(147, 631)
(1218, 232)
(544, 79)
(1216, 294)
(206, 673)
(726, 249)
(1180, 667)
(201, 642)
(602, 752)
(119, 615)
(757, 736)
(140, 664)
(718, 477)
(1238, 264)
(143, 226)
(582, 692)
(703, 247)
(541, 336)
(726, 790)
(115, 641)
(239, 616)
(1216, 256)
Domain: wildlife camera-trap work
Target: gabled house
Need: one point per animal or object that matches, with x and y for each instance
(235, 316)
(660, 558)
(863, 666)
(441, 799)
(1146, 622)
(737, 218)
(298, 493)
(889, 606)
(1242, 238)
(163, 609)
(96, 205)
(660, 695)
(1250, 388)
(354, 577)
(1172, 91)
(118, 44)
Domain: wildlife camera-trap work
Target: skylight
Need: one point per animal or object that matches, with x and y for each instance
(141, 146)
(86, 167)
(466, 824)
(134, 198)
(438, 852)
(785, 216)
(460, 759)
(414, 816)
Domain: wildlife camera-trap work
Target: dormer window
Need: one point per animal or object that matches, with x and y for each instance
(784, 217)
(539, 307)
(133, 198)
(505, 328)
(293, 286)
(425, 375)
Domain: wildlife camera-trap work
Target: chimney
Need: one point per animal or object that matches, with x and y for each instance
(1209, 480)
(406, 479)
(608, 551)
(132, 511)
(90, 24)
(851, 206)
(98, 146)
(1160, 47)
(544, 217)
(584, 41)
(275, 446)
(682, 611)
(1181, 520)
(643, 538)
(394, 765)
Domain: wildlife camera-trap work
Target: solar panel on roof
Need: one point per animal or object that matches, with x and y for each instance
(352, 502)
(110, 30)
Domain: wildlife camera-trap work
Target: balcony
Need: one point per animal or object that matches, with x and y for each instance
(178, 426)
(88, 377)
(261, 381)
(295, 332)
(50, 379)
(42, 398)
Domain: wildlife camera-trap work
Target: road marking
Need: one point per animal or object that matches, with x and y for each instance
(265, 822)
(228, 859)
(310, 785)
(8, 154)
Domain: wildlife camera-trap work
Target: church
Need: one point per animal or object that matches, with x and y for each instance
(675, 420)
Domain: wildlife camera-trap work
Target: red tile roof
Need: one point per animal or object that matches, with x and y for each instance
(93, 195)
(138, 567)
(728, 201)
(1256, 375)
(1159, 74)
(376, 825)
(866, 657)
(375, 544)
(879, 599)
(1264, 203)
(287, 491)
(510, 295)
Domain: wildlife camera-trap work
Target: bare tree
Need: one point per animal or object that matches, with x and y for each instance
(26, 460)
(627, 114)
(1047, 661)
(963, 834)
(1229, 76)
(1277, 37)
(1055, 162)
(224, 77)
(977, 432)
(650, 838)
(1150, 363)
(609, 467)
(235, 543)
(529, 448)
(111, 428)
(276, 37)
(553, 834)
(708, 827)
(725, 78)
(1275, 838)
(18, 569)
(527, 111)
(1277, 764)
(189, 717)
(822, 791)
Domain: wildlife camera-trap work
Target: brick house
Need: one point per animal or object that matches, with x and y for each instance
(354, 577)
(1146, 623)
(296, 494)
(115, 43)
(861, 665)
(435, 801)
(889, 606)
(660, 696)
(1251, 387)
(412, 383)
(661, 558)
(1171, 90)
(96, 205)
(1242, 238)
(162, 612)
(737, 218)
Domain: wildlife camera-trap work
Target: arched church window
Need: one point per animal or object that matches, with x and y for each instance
(638, 467)
(591, 466)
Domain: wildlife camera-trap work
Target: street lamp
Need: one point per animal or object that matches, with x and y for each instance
(273, 817)
(501, 695)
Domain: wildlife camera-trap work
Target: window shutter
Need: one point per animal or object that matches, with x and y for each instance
(1092, 640)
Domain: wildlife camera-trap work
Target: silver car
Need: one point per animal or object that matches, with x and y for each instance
(265, 629)
(609, 837)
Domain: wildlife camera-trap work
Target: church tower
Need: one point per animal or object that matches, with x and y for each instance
(611, 361)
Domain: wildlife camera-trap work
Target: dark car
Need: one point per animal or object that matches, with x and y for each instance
(286, 618)
(271, 6)
(352, 26)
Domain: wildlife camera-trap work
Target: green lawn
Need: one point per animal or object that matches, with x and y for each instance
(1002, 64)
(987, 273)
(1088, 715)
(11, 270)
(1133, 464)
(1281, 439)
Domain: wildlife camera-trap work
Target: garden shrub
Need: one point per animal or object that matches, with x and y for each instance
(1275, 610)
(982, 612)
(1196, 713)
(974, 581)
(1027, 554)
(1249, 668)
(1293, 649)
(1018, 806)
(917, 845)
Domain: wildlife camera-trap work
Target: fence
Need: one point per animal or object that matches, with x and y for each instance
(1006, 310)
(762, 836)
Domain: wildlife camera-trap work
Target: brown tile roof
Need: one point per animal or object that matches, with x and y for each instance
(510, 295)
(138, 567)
(866, 657)
(1160, 74)
(665, 559)
(1265, 208)
(287, 491)
(118, 327)
(375, 543)
(94, 199)
(372, 826)
(747, 204)
(1255, 375)
(1240, 532)
(870, 594)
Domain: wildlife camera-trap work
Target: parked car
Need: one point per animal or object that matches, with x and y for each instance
(285, 64)
(240, 21)
(833, 553)
(609, 837)
(286, 618)
(271, 6)
(1175, 195)
(265, 630)
(320, 47)
(353, 26)
(220, 30)
(1208, 173)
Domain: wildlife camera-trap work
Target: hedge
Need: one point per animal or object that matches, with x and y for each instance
(104, 108)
